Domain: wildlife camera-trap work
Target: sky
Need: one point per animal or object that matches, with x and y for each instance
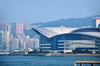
(34, 11)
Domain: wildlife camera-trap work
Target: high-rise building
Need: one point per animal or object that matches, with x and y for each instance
(16, 28)
(6, 40)
(26, 42)
(3, 26)
(36, 45)
(14, 44)
(1, 37)
(1, 40)
(31, 43)
(6, 35)
(24, 45)
(96, 22)
(8, 28)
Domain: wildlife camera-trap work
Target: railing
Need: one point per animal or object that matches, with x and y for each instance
(86, 62)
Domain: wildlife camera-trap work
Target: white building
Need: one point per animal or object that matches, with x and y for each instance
(96, 22)
(36, 44)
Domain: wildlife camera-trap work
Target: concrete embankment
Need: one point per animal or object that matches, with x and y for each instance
(72, 55)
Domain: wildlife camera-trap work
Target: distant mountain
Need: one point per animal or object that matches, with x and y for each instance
(72, 22)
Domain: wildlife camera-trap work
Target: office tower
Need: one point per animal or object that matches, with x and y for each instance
(16, 28)
(1, 37)
(96, 22)
(21, 44)
(31, 42)
(6, 35)
(24, 45)
(14, 44)
(6, 41)
(26, 42)
(36, 44)
(7, 47)
(3, 26)
(1, 40)
(8, 28)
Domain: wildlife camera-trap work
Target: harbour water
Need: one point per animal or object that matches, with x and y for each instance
(44, 60)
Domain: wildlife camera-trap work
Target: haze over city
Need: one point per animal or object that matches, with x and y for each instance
(33, 11)
(49, 32)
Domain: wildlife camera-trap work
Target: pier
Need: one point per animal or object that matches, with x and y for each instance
(81, 63)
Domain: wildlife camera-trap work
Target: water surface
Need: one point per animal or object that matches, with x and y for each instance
(43, 60)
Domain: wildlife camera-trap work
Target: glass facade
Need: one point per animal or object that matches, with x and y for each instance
(84, 48)
(71, 41)
(72, 44)
(94, 23)
(1, 39)
(99, 26)
(44, 43)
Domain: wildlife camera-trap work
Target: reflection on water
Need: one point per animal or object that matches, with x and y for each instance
(43, 61)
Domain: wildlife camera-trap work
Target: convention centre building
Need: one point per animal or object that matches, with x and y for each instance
(66, 39)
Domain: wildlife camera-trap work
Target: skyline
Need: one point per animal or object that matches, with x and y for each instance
(34, 11)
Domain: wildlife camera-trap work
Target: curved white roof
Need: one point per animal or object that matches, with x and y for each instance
(88, 31)
(52, 31)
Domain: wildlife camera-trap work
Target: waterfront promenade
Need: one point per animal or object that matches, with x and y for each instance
(54, 54)
(50, 54)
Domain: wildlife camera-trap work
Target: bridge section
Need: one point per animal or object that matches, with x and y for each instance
(81, 63)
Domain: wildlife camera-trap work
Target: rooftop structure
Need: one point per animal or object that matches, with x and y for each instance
(53, 31)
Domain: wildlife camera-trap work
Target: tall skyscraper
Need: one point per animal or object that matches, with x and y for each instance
(6, 40)
(8, 28)
(16, 28)
(96, 22)
(3, 26)
(1, 37)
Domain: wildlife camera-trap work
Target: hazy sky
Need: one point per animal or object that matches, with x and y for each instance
(32, 11)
